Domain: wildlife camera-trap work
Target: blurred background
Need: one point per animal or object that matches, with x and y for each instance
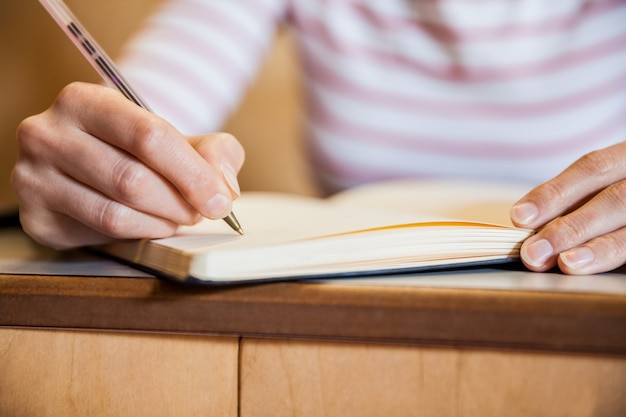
(38, 60)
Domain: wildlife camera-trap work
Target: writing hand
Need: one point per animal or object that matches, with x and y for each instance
(96, 167)
(582, 216)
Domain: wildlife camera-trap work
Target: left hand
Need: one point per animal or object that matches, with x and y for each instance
(582, 216)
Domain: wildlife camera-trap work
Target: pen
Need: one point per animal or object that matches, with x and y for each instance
(102, 63)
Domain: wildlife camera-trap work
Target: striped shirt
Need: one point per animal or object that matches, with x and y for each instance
(502, 89)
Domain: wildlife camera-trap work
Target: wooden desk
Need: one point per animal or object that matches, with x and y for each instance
(465, 343)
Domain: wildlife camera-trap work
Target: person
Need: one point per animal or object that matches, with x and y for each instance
(520, 90)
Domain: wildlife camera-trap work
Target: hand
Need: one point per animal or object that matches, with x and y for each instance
(582, 215)
(96, 167)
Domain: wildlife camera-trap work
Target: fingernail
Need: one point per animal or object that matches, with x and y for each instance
(537, 253)
(577, 257)
(524, 213)
(217, 207)
(230, 176)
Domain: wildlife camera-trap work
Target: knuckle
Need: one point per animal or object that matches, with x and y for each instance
(614, 246)
(131, 181)
(27, 183)
(28, 130)
(598, 163)
(114, 220)
(553, 191)
(616, 194)
(571, 230)
(148, 136)
(20, 180)
(70, 95)
(31, 135)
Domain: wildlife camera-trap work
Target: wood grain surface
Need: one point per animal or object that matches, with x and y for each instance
(535, 320)
(303, 378)
(47, 373)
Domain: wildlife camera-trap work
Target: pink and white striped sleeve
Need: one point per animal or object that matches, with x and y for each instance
(193, 59)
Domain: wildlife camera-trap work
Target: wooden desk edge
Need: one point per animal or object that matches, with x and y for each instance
(573, 322)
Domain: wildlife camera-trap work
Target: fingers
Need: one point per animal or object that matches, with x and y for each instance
(224, 151)
(114, 173)
(588, 240)
(152, 141)
(95, 167)
(582, 180)
(59, 212)
(600, 254)
(582, 216)
(124, 179)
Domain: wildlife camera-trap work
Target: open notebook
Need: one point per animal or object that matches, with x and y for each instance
(381, 228)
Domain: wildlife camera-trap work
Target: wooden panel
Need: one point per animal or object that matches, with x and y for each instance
(65, 373)
(561, 321)
(298, 378)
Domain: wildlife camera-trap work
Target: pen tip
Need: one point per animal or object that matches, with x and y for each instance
(233, 223)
